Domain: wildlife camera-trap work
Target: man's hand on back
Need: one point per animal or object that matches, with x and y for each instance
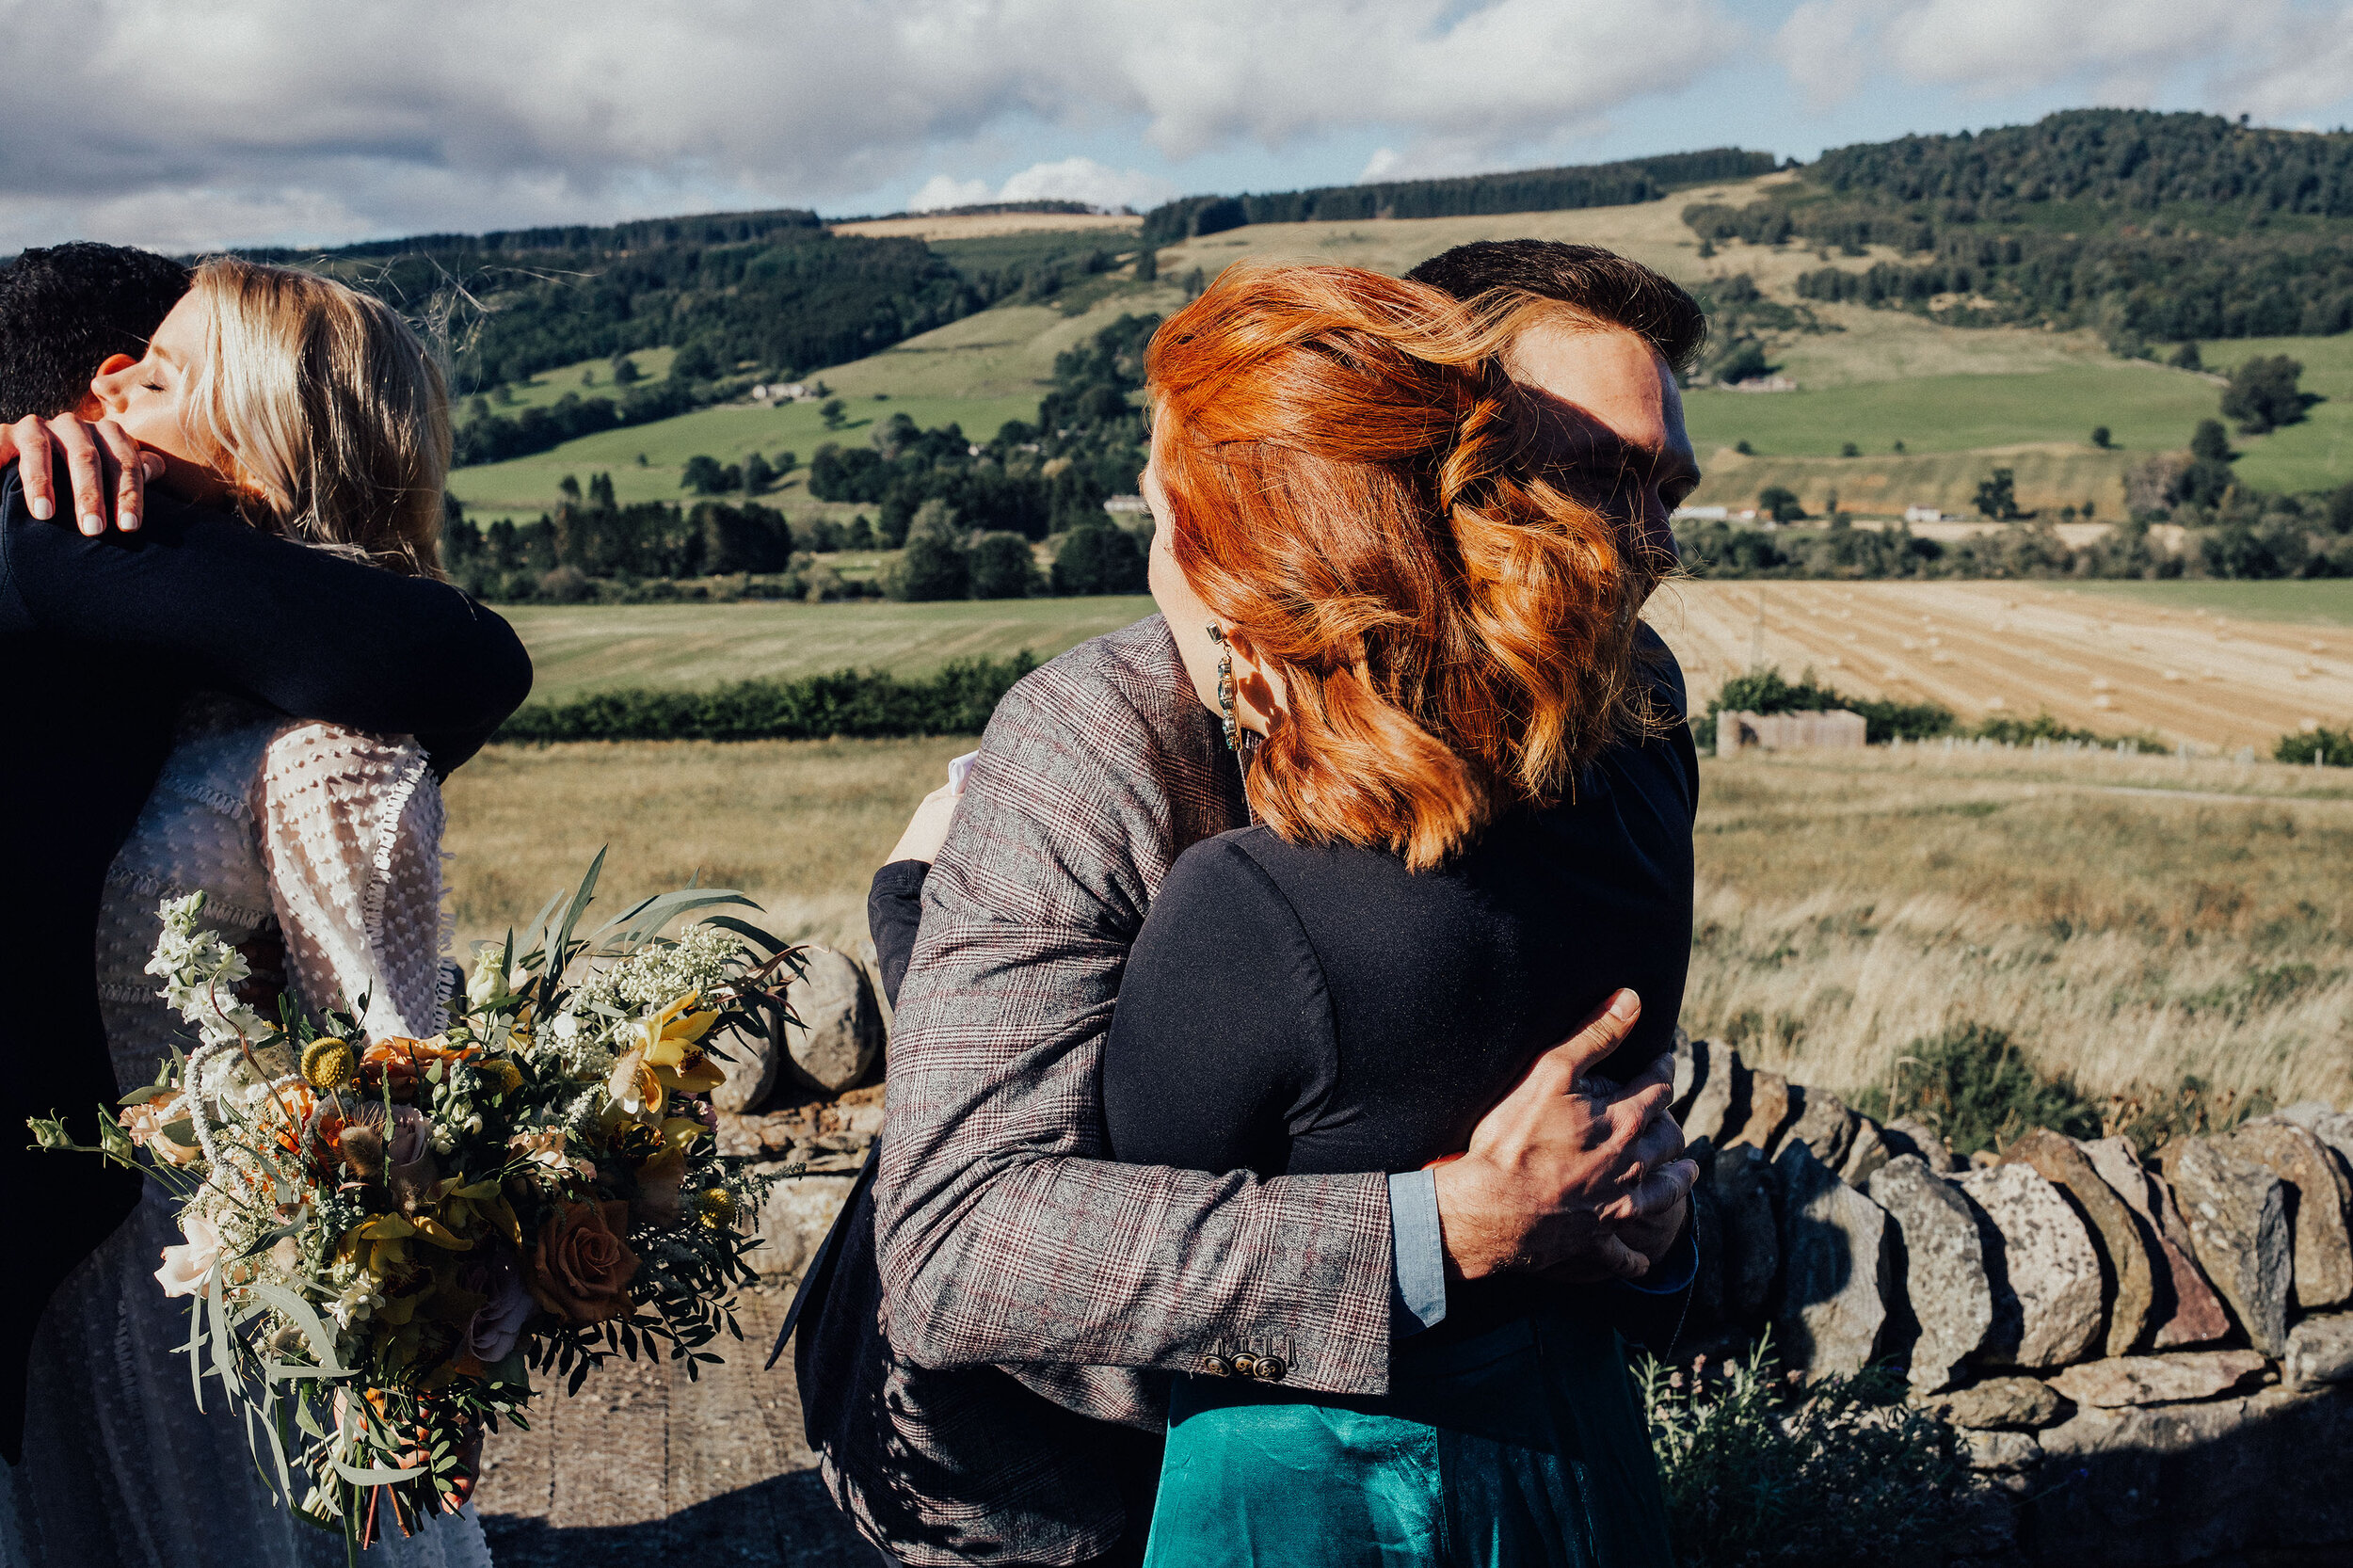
(1565, 1176)
(107, 470)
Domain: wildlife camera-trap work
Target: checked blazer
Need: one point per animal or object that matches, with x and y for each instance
(1026, 1278)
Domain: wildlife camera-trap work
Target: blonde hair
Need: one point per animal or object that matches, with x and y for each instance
(326, 411)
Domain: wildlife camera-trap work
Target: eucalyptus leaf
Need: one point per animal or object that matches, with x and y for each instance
(357, 1477)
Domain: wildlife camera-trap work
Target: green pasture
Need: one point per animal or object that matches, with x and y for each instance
(2145, 410)
(2326, 601)
(579, 648)
(2047, 477)
(589, 378)
(2316, 453)
(525, 487)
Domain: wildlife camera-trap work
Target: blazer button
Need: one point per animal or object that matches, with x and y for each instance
(1270, 1369)
(1245, 1365)
(1217, 1367)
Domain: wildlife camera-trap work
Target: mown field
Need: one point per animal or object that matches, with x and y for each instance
(2219, 666)
(2127, 920)
(1962, 401)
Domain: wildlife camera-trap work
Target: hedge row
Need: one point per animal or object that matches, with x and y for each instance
(957, 701)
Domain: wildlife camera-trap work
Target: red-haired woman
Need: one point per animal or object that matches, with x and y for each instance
(1472, 796)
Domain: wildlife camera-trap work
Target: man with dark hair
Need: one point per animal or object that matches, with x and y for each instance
(103, 635)
(92, 302)
(943, 1433)
(1600, 283)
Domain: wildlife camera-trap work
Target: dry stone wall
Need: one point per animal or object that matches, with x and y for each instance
(2152, 1359)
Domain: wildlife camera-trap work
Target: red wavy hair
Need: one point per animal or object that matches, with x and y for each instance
(1354, 482)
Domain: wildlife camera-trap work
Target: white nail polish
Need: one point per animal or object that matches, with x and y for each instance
(42, 511)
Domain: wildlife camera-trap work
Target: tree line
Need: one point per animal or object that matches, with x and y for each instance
(1531, 190)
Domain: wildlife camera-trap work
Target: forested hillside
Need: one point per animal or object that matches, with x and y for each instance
(1533, 190)
(2150, 228)
(772, 293)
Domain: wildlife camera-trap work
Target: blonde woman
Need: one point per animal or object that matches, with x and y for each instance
(315, 413)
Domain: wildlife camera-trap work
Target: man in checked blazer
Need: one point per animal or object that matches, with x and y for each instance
(1036, 1296)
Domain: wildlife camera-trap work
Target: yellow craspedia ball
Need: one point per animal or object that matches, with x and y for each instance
(716, 1206)
(328, 1062)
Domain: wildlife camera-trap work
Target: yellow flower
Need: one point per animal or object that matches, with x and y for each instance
(634, 1084)
(715, 1206)
(328, 1062)
(508, 1076)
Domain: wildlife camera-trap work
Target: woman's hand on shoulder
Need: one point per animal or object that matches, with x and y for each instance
(107, 470)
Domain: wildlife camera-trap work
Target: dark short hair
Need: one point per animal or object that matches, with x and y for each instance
(1601, 282)
(66, 310)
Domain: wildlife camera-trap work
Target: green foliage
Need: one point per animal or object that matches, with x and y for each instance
(1781, 503)
(1002, 567)
(1997, 497)
(1758, 1470)
(930, 568)
(2332, 748)
(2210, 442)
(1534, 190)
(1767, 691)
(2263, 394)
(597, 540)
(1098, 559)
(2100, 437)
(957, 701)
(1974, 1087)
(2186, 358)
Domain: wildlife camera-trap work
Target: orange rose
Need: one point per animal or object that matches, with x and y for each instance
(582, 1267)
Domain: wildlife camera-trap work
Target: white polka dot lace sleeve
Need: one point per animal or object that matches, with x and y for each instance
(351, 831)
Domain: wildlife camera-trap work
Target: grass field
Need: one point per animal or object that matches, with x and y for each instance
(2126, 919)
(577, 648)
(2218, 665)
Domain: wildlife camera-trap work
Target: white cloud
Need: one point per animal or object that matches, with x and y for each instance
(291, 118)
(2269, 57)
(939, 193)
(1084, 180)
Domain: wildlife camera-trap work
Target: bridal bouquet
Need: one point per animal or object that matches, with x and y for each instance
(387, 1238)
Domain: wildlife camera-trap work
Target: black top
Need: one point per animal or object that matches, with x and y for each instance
(102, 639)
(1294, 1009)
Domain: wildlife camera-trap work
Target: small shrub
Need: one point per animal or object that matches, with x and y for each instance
(2333, 748)
(2152, 1117)
(1973, 1085)
(957, 701)
(1758, 1470)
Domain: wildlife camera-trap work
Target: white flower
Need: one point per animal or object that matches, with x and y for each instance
(186, 1266)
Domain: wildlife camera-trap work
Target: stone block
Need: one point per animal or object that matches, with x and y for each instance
(750, 1064)
(2128, 1279)
(1909, 1135)
(1834, 1296)
(2331, 1126)
(2044, 1275)
(840, 1032)
(1864, 1155)
(2002, 1452)
(1708, 1231)
(1821, 1121)
(793, 1219)
(2159, 1378)
(1742, 1185)
(1939, 1266)
(2021, 1404)
(2317, 1198)
(2320, 1351)
(1770, 1109)
(2189, 1312)
(2237, 1216)
(1718, 1092)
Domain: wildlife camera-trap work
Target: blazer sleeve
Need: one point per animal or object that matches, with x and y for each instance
(306, 631)
(1005, 1234)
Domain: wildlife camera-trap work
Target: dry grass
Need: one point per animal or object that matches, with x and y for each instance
(799, 825)
(2126, 919)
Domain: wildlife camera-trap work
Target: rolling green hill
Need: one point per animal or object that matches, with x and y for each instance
(1966, 382)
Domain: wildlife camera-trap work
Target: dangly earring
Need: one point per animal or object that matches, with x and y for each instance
(1226, 687)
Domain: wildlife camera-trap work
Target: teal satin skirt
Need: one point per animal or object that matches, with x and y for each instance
(1524, 1445)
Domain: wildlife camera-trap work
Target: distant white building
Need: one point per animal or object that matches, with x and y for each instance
(1923, 514)
(1120, 505)
(1703, 514)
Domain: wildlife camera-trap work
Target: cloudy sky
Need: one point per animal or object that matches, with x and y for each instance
(203, 122)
